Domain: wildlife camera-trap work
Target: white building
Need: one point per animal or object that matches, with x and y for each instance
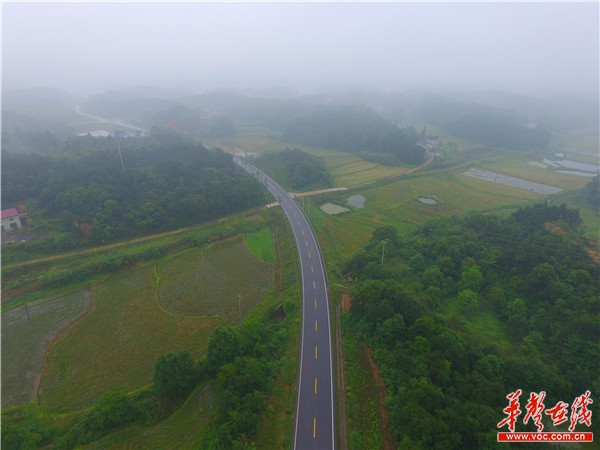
(11, 219)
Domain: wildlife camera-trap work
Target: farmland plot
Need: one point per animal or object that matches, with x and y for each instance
(210, 282)
(143, 313)
(27, 334)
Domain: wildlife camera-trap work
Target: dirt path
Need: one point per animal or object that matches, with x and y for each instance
(388, 443)
(421, 166)
(320, 191)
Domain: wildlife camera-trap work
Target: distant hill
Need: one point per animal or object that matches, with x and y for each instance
(39, 102)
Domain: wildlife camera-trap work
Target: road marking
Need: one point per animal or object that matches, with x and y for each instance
(299, 223)
(315, 428)
(312, 269)
(314, 284)
(315, 303)
(316, 326)
(309, 257)
(315, 386)
(302, 232)
(306, 242)
(316, 352)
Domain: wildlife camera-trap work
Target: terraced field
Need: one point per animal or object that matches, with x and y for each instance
(27, 333)
(118, 342)
(210, 282)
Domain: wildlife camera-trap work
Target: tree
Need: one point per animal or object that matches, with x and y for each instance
(471, 278)
(115, 408)
(175, 374)
(223, 347)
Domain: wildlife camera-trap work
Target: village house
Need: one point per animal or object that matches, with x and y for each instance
(11, 219)
(430, 142)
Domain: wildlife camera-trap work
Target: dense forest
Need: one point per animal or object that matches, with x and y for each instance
(163, 182)
(356, 130)
(466, 310)
(296, 169)
(500, 129)
(486, 124)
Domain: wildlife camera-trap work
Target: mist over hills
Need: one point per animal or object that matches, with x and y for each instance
(53, 109)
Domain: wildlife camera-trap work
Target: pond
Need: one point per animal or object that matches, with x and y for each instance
(584, 167)
(333, 209)
(356, 201)
(488, 175)
(577, 173)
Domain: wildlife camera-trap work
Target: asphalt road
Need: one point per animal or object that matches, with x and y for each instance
(314, 418)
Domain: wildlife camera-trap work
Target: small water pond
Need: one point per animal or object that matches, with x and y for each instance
(333, 209)
(488, 175)
(356, 201)
(428, 201)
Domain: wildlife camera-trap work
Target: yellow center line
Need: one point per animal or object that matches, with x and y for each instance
(315, 303)
(316, 352)
(312, 269)
(315, 386)
(314, 428)
(316, 326)
(314, 284)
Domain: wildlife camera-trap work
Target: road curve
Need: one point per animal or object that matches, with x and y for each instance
(314, 418)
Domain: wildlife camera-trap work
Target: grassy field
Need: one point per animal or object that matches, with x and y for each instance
(397, 203)
(118, 342)
(27, 332)
(210, 281)
(261, 245)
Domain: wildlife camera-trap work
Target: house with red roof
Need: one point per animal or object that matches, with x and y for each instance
(11, 219)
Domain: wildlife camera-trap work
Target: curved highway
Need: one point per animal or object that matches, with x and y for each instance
(314, 418)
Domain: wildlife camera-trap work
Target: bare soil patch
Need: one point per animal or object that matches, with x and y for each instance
(383, 412)
(345, 302)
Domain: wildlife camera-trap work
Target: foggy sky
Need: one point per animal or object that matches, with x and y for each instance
(89, 47)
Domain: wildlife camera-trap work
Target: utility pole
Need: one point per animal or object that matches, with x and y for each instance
(119, 146)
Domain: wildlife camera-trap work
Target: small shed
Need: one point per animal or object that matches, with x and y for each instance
(11, 219)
